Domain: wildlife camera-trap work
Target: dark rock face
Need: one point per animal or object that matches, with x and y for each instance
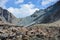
(6, 16)
(51, 14)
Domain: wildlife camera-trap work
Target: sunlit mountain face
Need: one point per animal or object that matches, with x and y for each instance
(23, 8)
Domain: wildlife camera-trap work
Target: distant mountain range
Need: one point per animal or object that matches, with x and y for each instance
(48, 15)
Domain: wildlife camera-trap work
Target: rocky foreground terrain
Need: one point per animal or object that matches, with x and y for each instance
(35, 32)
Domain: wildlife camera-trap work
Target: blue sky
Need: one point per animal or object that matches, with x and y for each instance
(23, 8)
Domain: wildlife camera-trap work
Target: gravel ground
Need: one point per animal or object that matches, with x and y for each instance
(30, 33)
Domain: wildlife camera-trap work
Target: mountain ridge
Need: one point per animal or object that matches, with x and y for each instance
(47, 15)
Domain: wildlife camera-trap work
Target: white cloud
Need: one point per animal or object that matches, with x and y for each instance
(45, 2)
(19, 1)
(2, 3)
(25, 10)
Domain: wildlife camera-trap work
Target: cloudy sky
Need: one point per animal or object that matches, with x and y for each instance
(23, 8)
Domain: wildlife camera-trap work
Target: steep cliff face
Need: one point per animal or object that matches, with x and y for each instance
(6, 16)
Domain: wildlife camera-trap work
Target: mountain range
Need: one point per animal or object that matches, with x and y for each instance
(43, 16)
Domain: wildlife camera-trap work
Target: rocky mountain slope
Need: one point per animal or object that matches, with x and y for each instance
(48, 15)
(6, 16)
